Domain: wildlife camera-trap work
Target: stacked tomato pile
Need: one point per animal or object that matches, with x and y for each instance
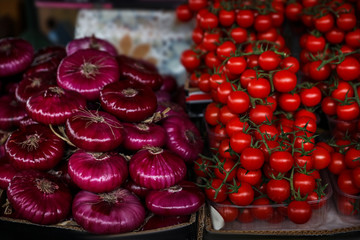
(262, 123)
(330, 60)
(93, 136)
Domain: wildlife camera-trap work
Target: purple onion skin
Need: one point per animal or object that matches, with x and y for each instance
(16, 56)
(139, 135)
(7, 172)
(87, 71)
(39, 197)
(184, 198)
(92, 43)
(11, 113)
(169, 85)
(139, 191)
(157, 221)
(156, 168)
(175, 109)
(119, 211)
(184, 138)
(163, 96)
(93, 130)
(102, 173)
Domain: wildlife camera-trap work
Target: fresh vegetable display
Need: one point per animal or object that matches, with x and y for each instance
(87, 135)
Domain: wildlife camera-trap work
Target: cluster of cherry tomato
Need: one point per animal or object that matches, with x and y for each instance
(329, 55)
(261, 132)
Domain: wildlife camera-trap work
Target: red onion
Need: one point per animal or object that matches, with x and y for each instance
(90, 42)
(54, 105)
(87, 72)
(139, 71)
(33, 84)
(156, 168)
(184, 138)
(175, 109)
(182, 199)
(93, 130)
(139, 191)
(15, 56)
(118, 211)
(129, 101)
(35, 147)
(7, 172)
(162, 96)
(39, 197)
(97, 172)
(11, 112)
(139, 135)
(27, 121)
(157, 221)
(169, 84)
(46, 60)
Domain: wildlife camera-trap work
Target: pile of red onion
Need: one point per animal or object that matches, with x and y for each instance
(93, 136)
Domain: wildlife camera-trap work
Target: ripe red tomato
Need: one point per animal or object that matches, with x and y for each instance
(304, 143)
(289, 102)
(324, 23)
(224, 167)
(252, 177)
(209, 21)
(196, 5)
(204, 82)
(212, 112)
(262, 209)
(342, 90)
(347, 206)
(346, 21)
(184, 13)
(224, 148)
(262, 23)
(252, 158)
(239, 34)
(243, 195)
(201, 167)
(238, 102)
(246, 77)
(355, 173)
(352, 38)
(305, 113)
(348, 111)
(290, 63)
(284, 81)
(299, 212)
(321, 158)
(212, 61)
(335, 36)
(303, 161)
(305, 125)
(226, 17)
(328, 106)
(224, 90)
(245, 216)
(269, 60)
(239, 141)
(278, 190)
(267, 132)
(269, 35)
(346, 183)
(281, 161)
(225, 50)
(309, 3)
(236, 65)
(235, 125)
(349, 69)
(245, 18)
(337, 163)
(210, 41)
(319, 74)
(217, 191)
(190, 60)
(293, 11)
(227, 211)
(303, 183)
(315, 44)
(259, 88)
(260, 114)
(226, 114)
(197, 35)
(352, 156)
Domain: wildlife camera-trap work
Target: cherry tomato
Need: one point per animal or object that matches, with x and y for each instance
(224, 90)
(299, 212)
(284, 81)
(212, 112)
(225, 167)
(209, 21)
(328, 106)
(197, 35)
(196, 5)
(319, 74)
(252, 158)
(226, 18)
(235, 125)
(184, 13)
(304, 143)
(260, 114)
(239, 34)
(217, 191)
(269, 35)
(239, 141)
(246, 77)
(302, 161)
(347, 206)
(346, 183)
(289, 102)
(236, 65)
(293, 11)
(315, 44)
(252, 177)
(224, 148)
(290, 63)
(348, 112)
(262, 23)
(342, 90)
(262, 209)
(225, 50)
(201, 167)
(281, 161)
(346, 21)
(245, 18)
(226, 114)
(337, 163)
(349, 69)
(355, 173)
(305, 113)
(335, 36)
(352, 158)
(278, 190)
(269, 60)
(259, 88)
(305, 125)
(190, 60)
(238, 102)
(324, 23)
(227, 211)
(352, 38)
(267, 132)
(303, 183)
(212, 61)
(315, 201)
(243, 195)
(245, 216)
(210, 41)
